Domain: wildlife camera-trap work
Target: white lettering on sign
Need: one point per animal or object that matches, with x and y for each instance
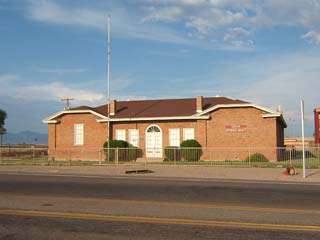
(235, 128)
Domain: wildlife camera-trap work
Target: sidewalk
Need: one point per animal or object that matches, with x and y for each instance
(197, 172)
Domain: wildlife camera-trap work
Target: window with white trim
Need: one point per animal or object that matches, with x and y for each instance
(188, 133)
(121, 134)
(174, 137)
(134, 137)
(78, 134)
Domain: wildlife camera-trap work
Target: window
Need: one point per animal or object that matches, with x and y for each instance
(78, 134)
(153, 129)
(188, 133)
(174, 137)
(121, 134)
(134, 137)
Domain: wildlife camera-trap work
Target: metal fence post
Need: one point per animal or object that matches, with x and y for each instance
(145, 162)
(174, 155)
(290, 157)
(249, 157)
(0, 153)
(117, 156)
(69, 156)
(107, 151)
(32, 148)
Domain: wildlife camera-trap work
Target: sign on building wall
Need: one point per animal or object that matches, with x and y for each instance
(235, 128)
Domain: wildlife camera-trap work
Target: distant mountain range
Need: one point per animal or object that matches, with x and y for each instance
(27, 137)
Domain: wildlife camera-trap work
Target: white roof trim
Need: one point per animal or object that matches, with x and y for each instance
(268, 115)
(154, 118)
(50, 119)
(105, 119)
(268, 110)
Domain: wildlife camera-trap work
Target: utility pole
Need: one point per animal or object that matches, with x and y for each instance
(67, 101)
(108, 78)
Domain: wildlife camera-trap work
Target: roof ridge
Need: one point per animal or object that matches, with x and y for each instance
(158, 99)
(170, 99)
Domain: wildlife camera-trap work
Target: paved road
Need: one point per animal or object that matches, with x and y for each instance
(43, 207)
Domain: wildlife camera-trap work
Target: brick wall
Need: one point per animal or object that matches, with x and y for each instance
(61, 137)
(239, 128)
(164, 125)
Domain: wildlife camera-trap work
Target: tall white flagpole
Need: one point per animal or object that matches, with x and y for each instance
(108, 76)
(302, 139)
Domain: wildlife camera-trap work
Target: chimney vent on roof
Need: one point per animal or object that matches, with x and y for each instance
(113, 107)
(199, 104)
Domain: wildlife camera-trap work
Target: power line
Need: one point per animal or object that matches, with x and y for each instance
(67, 101)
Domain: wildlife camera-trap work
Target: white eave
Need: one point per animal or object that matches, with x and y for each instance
(239, 105)
(103, 118)
(50, 119)
(269, 113)
(154, 118)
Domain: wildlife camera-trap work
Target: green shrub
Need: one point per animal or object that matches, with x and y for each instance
(257, 157)
(133, 152)
(126, 152)
(116, 144)
(191, 150)
(172, 153)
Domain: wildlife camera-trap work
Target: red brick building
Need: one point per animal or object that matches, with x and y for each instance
(317, 126)
(215, 122)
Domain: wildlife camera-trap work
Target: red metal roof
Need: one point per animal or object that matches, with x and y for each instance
(160, 108)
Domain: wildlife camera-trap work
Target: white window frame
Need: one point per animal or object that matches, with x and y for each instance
(187, 132)
(174, 137)
(133, 137)
(78, 134)
(123, 133)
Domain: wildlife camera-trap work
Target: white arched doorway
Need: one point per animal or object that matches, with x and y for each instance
(154, 141)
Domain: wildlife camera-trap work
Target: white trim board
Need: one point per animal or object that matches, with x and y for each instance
(50, 119)
(240, 105)
(105, 119)
(269, 112)
(154, 118)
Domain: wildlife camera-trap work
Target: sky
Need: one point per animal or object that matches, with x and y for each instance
(265, 52)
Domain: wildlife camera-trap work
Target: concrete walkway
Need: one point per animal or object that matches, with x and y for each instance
(194, 172)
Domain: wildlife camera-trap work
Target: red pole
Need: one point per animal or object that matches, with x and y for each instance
(316, 127)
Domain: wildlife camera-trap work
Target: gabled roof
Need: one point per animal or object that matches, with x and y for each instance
(162, 109)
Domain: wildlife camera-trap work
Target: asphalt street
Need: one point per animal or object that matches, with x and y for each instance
(62, 207)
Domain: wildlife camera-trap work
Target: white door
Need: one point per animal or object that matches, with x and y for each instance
(154, 142)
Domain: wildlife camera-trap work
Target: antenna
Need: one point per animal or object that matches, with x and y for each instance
(108, 58)
(67, 101)
(108, 75)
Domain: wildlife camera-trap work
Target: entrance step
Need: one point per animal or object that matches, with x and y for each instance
(149, 160)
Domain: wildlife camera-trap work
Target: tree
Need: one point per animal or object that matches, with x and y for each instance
(3, 116)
